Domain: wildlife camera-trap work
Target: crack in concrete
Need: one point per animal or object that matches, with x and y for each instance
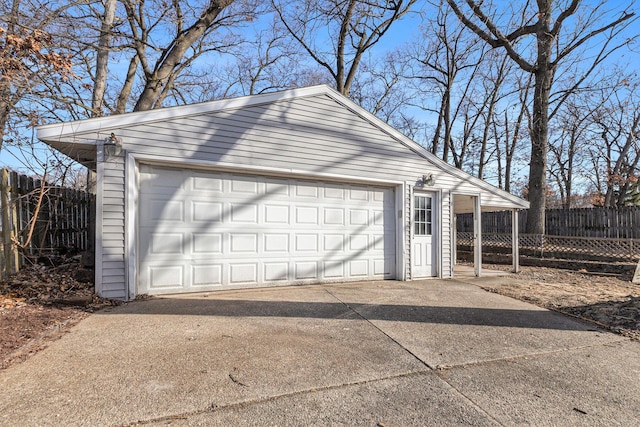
(216, 408)
(430, 370)
(470, 401)
(422, 362)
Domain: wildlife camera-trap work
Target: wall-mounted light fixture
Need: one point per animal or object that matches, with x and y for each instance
(112, 147)
(426, 181)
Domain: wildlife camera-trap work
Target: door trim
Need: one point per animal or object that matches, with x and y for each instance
(132, 184)
(436, 228)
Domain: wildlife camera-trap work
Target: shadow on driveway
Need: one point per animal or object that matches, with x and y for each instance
(515, 318)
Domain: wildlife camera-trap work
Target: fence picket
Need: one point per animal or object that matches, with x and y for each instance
(600, 222)
(62, 220)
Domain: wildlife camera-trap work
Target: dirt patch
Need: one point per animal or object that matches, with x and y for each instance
(609, 300)
(25, 330)
(40, 303)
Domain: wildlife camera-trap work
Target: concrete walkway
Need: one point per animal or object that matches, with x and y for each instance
(375, 353)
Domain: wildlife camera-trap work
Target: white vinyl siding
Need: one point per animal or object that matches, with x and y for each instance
(111, 280)
(309, 136)
(315, 134)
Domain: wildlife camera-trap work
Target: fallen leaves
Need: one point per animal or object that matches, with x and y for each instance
(41, 298)
(62, 282)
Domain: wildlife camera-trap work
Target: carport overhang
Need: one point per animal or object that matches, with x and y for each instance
(472, 203)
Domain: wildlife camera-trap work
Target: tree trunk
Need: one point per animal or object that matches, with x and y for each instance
(539, 145)
(5, 110)
(102, 58)
(156, 81)
(447, 124)
(121, 106)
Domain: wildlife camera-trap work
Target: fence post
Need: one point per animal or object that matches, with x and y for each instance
(16, 227)
(9, 248)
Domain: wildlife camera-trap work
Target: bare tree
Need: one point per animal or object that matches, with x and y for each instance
(615, 152)
(28, 55)
(493, 88)
(509, 139)
(102, 57)
(445, 58)
(337, 33)
(570, 139)
(267, 61)
(189, 32)
(381, 88)
(544, 22)
(143, 54)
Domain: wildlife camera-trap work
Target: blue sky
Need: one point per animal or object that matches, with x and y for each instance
(402, 32)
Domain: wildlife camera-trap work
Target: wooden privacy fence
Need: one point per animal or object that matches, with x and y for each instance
(600, 222)
(40, 219)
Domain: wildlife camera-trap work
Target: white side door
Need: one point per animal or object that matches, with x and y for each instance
(423, 254)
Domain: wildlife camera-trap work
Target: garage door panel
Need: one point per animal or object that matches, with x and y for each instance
(334, 216)
(306, 270)
(306, 215)
(359, 194)
(358, 243)
(166, 276)
(158, 208)
(243, 273)
(335, 192)
(276, 271)
(217, 230)
(334, 243)
(243, 243)
(306, 190)
(276, 243)
(166, 243)
(157, 181)
(206, 243)
(379, 242)
(358, 217)
(244, 185)
(276, 214)
(359, 268)
(277, 189)
(207, 275)
(244, 213)
(306, 242)
(206, 211)
(333, 269)
(206, 183)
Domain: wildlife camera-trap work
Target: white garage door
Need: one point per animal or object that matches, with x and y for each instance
(201, 230)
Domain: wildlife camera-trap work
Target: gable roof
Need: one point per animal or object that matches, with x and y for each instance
(63, 136)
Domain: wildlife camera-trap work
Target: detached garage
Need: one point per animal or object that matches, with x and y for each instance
(300, 186)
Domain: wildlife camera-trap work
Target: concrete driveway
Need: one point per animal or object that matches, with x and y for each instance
(372, 353)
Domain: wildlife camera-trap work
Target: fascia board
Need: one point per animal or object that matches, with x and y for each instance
(62, 131)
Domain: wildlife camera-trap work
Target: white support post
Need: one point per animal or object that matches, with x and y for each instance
(454, 239)
(477, 229)
(515, 243)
